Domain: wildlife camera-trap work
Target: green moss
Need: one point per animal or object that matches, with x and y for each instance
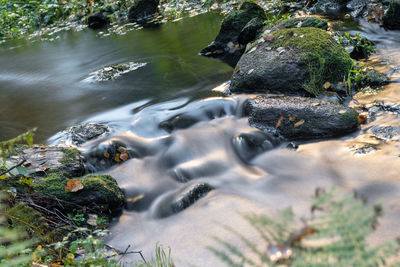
(237, 19)
(103, 188)
(351, 115)
(70, 156)
(306, 22)
(327, 60)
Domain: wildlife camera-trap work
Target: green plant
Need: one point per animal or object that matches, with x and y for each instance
(363, 47)
(78, 217)
(334, 236)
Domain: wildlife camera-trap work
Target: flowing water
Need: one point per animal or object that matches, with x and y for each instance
(45, 85)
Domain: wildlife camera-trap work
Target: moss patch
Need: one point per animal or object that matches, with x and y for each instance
(306, 22)
(327, 61)
(97, 189)
(237, 19)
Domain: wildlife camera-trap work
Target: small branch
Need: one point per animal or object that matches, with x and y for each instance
(12, 168)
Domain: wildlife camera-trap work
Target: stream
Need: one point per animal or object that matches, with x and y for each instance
(45, 85)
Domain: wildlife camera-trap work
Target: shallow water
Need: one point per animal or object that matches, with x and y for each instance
(43, 86)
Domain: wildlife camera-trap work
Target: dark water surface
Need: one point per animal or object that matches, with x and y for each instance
(43, 85)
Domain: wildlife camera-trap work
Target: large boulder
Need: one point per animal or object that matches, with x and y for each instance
(296, 61)
(94, 190)
(142, 10)
(298, 118)
(391, 19)
(226, 46)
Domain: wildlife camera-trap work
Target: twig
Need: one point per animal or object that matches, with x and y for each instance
(12, 168)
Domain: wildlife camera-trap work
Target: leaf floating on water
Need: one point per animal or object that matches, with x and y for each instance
(299, 123)
(327, 85)
(73, 185)
(250, 71)
(124, 156)
(278, 123)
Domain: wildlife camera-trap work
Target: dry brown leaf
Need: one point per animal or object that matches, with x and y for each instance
(73, 185)
(124, 156)
(92, 220)
(292, 118)
(362, 119)
(278, 123)
(106, 155)
(117, 159)
(299, 123)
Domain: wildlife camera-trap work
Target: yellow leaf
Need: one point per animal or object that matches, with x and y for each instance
(74, 185)
(299, 123)
(327, 85)
(107, 155)
(278, 123)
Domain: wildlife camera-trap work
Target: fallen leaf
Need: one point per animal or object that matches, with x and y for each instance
(278, 123)
(73, 185)
(237, 69)
(292, 118)
(362, 119)
(299, 123)
(327, 85)
(106, 155)
(124, 156)
(117, 159)
(43, 147)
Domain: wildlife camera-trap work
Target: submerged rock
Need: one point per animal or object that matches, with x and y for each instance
(292, 61)
(142, 10)
(98, 20)
(374, 79)
(226, 46)
(113, 72)
(391, 19)
(78, 135)
(249, 145)
(41, 160)
(358, 7)
(96, 190)
(298, 118)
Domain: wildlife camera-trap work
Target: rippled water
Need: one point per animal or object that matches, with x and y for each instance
(42, 85)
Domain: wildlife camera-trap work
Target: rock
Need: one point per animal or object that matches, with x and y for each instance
(108, 154)
(41, 160)
(301, 22)
(113, 72)
(330, 7)
(226, 46)
(358, 7)
(296, 61)
(249, 145)
(386, 132)
(98, 20)
(374, 79)
(250, 31)
(298, 118)
(391, 19)
(180, 200)
(78, 135)
(362, 48)
(142, 10)
(98, 190)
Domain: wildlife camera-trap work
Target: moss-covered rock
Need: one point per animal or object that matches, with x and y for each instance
(97, 190)
(301, 22)
(41, 160)
(226, 46)
(391, 19)
(293, 61)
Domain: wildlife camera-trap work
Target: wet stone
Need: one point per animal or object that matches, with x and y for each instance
(189, 196)
(386, 132)
(113, 72)
(78, 135)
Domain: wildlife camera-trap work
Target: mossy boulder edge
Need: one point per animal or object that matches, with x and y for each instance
(294, 61)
